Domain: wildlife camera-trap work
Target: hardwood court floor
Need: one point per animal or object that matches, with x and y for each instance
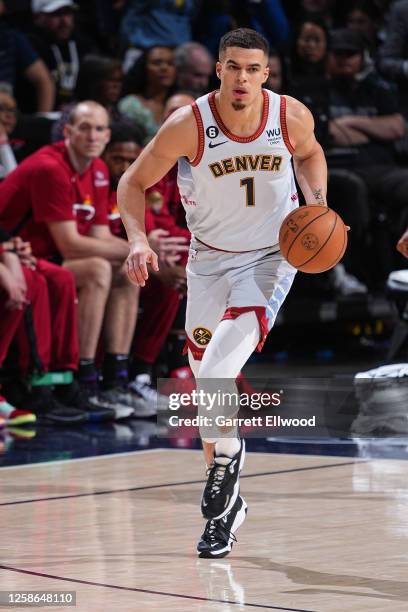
(323, 534)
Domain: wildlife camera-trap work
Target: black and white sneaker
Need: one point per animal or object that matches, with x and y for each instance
(222, 488)
(75, 395)
(114, 399)
(218, 536)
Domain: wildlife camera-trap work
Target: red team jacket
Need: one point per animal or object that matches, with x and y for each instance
(44, 188)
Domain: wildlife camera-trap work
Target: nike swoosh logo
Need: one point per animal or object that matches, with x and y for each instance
(212, 145)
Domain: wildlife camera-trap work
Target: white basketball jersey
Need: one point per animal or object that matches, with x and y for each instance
(237, 190)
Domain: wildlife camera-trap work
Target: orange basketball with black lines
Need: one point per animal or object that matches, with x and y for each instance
(313, 238)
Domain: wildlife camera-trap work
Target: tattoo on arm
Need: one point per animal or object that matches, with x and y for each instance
(319, 196)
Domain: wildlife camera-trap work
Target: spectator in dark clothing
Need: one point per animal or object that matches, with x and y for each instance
(148, 85)
(100, 79)
(363, 107)
(275, 77)
(393, 54)
(306, 71)
(365, 17)
(21, 134)
(311, 39)
(59, 45)
(269, 18)
(165, 23)
(266, 16)
(318, 9)
(18, 59)
(364, 117)
(346, 191)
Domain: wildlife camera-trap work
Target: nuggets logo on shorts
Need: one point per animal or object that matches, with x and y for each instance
(202, 335)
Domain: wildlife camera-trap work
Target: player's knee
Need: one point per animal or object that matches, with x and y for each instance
(99, 272)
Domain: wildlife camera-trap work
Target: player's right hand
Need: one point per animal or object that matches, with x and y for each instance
(139, 256)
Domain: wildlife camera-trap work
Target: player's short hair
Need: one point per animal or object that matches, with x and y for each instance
(244, 38)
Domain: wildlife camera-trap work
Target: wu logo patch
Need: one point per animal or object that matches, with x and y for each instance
(274, 135)
(202, 335)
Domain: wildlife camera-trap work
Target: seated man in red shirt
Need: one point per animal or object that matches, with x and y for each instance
(161, 296)
(58, 200)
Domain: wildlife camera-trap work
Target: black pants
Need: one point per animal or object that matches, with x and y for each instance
(388, 192)
(348, 195)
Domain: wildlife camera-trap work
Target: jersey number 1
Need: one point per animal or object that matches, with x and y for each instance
(249, 185)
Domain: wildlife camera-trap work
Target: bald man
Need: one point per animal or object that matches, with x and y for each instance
(58, 200)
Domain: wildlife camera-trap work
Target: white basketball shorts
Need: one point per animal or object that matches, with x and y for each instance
(223, 285)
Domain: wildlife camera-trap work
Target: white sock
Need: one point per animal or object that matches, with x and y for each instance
(227, 446)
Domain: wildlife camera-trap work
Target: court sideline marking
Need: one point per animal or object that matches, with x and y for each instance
(150, 592)
(177, 484)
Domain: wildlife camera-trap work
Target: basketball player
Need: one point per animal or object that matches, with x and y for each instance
(234, 148)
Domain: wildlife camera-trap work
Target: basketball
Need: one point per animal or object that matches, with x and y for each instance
(313, 238)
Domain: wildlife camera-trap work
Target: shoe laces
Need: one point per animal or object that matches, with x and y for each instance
(216, 475)
(215, 531)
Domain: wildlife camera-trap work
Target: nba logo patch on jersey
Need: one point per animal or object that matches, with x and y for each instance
(202, 335)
